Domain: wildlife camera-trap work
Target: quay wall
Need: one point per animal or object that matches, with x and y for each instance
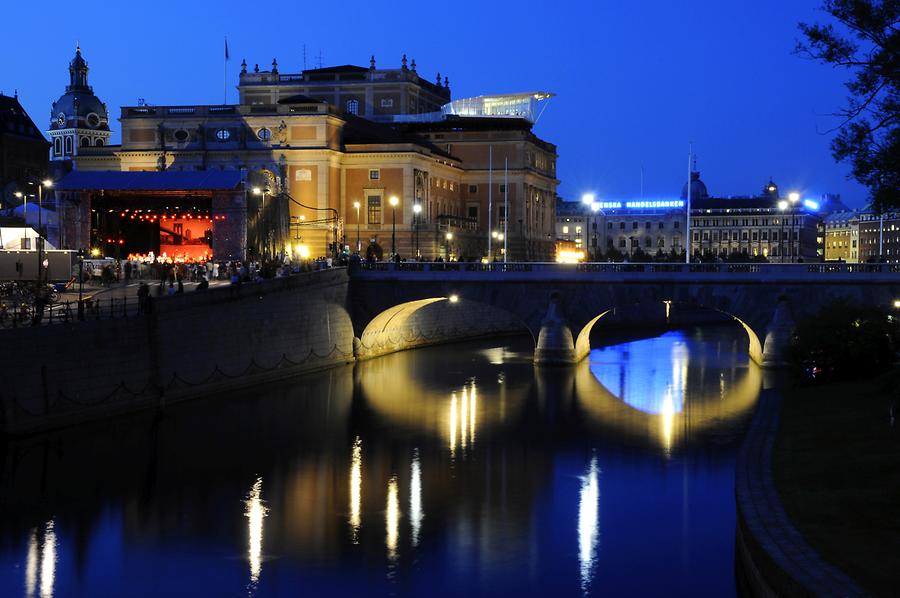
(193, 344)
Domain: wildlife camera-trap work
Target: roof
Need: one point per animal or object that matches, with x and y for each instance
(167, 180)
(344, 68)
(358, 130)
(301, 99)
(15, 121)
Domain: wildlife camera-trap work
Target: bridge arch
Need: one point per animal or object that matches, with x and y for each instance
(432, 321)
(583, 340)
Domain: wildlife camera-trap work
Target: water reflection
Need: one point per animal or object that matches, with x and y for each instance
(392, 519)
(255, 512)
(502, 458)
(356, 490)
(416, 513)
(41, 560)
(588, 522)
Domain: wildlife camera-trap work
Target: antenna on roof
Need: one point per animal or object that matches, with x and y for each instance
(320, 58)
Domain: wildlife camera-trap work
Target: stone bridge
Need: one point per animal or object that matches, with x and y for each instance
(401, 306)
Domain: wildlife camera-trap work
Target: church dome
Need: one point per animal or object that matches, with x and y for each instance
(698, 188)
(78, 107)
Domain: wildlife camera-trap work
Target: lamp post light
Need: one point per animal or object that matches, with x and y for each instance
(394, 201)
(448, 237)
(262, 217)
(81, 253)
(782, 205)
(358, 247)
(40, 241)
(417, 209)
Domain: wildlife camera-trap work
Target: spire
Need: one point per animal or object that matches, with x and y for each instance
(403, 63)
(244, 66)
(438, 80)
(446, 82)
(372, 63)
(413, 65)
(274, 66)
(78, 71)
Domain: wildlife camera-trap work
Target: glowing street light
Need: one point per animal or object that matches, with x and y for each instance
(394, 201)
(782, 205)
(417, 209)
(453, 298)
(587, 199)
(448, 237)
(794, 197)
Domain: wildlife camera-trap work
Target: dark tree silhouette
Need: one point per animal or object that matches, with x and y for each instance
(867, 43)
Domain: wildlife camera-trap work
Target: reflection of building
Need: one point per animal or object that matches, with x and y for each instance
(23, 150)
(842, 237)
(314, 136)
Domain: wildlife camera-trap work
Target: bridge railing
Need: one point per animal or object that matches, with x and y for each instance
(799, 270)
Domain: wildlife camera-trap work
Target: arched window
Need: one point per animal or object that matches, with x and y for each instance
(353, 106)
(99, 142)
(85, 142)
(57, 146)
(69, 147)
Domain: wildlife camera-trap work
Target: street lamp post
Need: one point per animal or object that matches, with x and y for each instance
(417, 209)
(358, 247)
(782, 205)
(262, 217)
(40, 242)
(81, 284)
(394, 201)
(448, 237)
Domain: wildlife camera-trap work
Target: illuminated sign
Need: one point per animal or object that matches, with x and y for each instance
(641, 204)
(812, 205)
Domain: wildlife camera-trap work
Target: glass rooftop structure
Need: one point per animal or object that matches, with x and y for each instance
(514, 105)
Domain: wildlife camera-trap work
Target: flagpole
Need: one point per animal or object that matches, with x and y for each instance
(490, 221)
(687, 230)
(505, 207)
(225, 75)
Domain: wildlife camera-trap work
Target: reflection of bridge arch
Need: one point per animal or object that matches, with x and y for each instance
(434, 320)
(583, 340)
(664, 411)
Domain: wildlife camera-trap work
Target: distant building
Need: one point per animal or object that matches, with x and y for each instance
(338, 144)
(23, 151)
(78, 119)
(842, 237)
(879, 237)
(778, 229)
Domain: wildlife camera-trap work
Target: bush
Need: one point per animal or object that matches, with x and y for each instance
(843, 342)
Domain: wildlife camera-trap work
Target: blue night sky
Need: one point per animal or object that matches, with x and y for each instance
(636, 81)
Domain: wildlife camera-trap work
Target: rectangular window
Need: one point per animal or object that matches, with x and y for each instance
(755, 236)
(621, 226)
(473, 212)
(565, 232)
(734, 236)
(387, 103)
(578, 230)
(374, 174)
(374, 209)
(647, 225)
(621, 241)
(634, 225)
(473, 189)
(609, 226)
(502, 188)
(744, 236)
(765, 235)
(661, 226)
(676, 224)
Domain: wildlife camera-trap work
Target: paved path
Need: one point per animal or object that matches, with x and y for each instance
(766, 521)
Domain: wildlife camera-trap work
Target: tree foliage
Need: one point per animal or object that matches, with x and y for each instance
(867, 43)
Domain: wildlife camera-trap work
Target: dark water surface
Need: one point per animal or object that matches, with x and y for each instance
(444, 471)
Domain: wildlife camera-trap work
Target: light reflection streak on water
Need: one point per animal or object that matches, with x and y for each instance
(463, 419)
(472, 414)
(255, 512)
(31, 564)
(415, 497)
(588, 523)
(392, 519)
(356, 490)
(453, 424)
(48, 560)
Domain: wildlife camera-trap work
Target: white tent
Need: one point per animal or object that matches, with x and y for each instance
(11, 238)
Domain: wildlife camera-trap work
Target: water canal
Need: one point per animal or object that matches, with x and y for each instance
(441, 471)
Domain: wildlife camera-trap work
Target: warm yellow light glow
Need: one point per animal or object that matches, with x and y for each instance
(95, 252)
(667, 419)
(392, 519)
(453, 298)
(897, 304)
(668, 309)
(472, 414)
(587, 199)
(449, 236)
(417, 208)
(463, 419)
(782, 205)
(31, 564)
(255, 511)
(794, 197)
(356, 490)
(47, 183)
(48, 561)
(303, 251)
(588, 522)
(416, 514)
(257, 191)
(452, 424)
(569, 256)
(494, 234)
(356, 204)
(394, 201)
(18, 194)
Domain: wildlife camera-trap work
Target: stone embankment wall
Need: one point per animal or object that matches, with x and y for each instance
(193, 344)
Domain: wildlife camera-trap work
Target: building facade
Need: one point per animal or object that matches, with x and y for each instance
(369, 178)
(879, 237)
(23, 151)
(842, 237)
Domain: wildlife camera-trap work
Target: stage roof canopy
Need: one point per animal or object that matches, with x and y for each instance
(168, 180)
